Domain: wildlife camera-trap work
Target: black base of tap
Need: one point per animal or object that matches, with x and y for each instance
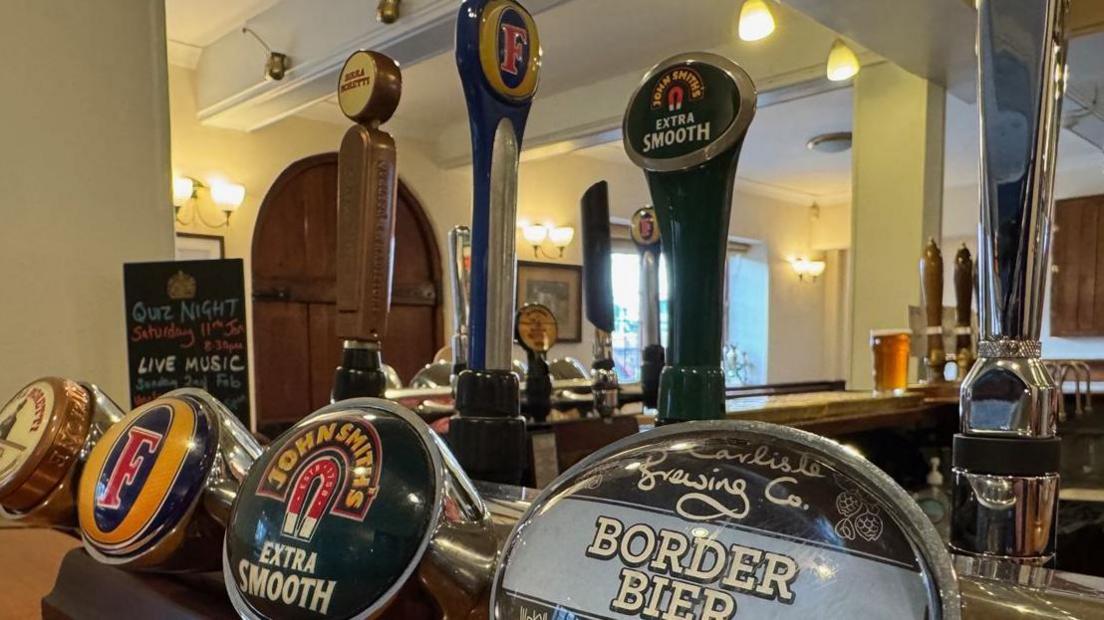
(538, 389)
(488, 433)
(360, 374)
(651, 365)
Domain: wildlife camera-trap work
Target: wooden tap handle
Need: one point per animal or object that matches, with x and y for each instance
(931, 275)
(368, 93)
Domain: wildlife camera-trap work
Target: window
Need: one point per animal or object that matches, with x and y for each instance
(744, 349)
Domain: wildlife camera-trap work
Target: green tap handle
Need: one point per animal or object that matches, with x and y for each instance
(684, 126)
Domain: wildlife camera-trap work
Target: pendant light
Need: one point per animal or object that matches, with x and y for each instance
(756, 21)
(842, 62)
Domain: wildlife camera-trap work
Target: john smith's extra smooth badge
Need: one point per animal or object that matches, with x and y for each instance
(717, 520)
(144, 477)
(688, 110)
(328, 523)
(509, 50)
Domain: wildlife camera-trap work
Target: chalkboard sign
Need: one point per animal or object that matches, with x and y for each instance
(186, 328)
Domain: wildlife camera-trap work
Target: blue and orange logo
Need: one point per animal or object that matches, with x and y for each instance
(509, 49)
(326, 468)
(144, 475)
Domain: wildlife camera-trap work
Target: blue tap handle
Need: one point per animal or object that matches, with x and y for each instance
(498, 58)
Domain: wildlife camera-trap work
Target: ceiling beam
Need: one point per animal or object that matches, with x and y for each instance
(231, 91)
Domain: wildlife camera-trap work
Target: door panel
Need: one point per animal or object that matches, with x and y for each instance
(294, 275)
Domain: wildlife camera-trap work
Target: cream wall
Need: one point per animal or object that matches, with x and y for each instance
(85, 178)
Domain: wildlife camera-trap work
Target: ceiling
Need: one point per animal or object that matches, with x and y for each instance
(579, 62)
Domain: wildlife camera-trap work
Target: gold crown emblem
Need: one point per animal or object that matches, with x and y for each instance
(181, 286)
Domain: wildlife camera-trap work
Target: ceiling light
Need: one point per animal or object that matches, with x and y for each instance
(842, 62)
(835, 142)
(756, 21)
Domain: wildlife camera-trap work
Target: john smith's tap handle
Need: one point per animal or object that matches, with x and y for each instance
(599, 294)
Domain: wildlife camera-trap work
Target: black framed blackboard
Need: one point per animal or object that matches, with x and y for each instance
(186, 328)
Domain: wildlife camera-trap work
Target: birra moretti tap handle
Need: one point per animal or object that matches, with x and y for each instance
(684, 126)
(368, 93)
(46, 432)
(1007, 456)
(498, 58)
(645, 234)
(599, 294)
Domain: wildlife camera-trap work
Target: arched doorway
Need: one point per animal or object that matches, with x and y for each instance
(294, 281)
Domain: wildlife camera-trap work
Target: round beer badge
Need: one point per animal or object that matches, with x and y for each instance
(536, 328)
(42, 430)
(724, 519)
(328, 522)
(645, 228)
(509, 50)
(689, 109)
(144, 477)
(368, 87)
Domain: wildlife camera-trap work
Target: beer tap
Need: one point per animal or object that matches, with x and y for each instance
(536, 331)
(47, 431)
(599, 295)
(1006, 457)
(645, 234)
(156, 490)
(688, 142)
(498, 58)
(964, 279)
(931, 275)
(368, 93)
(460, 277)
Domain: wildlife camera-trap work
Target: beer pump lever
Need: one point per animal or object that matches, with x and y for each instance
(460, 276)
(964, 296)
(931, 276)
(498, 58)
(645, 234)
(1006, 456)
(688, 143)
(599, 295)
(368, 93)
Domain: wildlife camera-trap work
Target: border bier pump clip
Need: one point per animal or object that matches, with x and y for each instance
(368, 93)
(498, 58)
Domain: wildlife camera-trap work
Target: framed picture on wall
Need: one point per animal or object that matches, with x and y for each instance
(560, 288)
(199, 247)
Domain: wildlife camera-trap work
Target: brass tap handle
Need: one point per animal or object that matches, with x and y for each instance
(931, 273)
(964, 296)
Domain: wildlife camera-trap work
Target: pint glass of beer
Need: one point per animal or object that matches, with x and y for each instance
(891, 354)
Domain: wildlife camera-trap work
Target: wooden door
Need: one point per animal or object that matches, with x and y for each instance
(294, 288)
(1077, 277)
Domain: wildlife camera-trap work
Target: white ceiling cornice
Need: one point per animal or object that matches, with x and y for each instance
(183, 54)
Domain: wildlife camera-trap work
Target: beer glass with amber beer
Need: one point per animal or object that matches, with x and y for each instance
(891, 354)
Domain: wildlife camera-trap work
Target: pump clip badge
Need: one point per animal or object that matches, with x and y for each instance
(509, 50)
(331, 468)
(688, 110)
(645, 229)
(144, 475)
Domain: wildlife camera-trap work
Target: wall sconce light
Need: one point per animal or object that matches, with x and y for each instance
(807, 269)
(226, 196)
(536, 234)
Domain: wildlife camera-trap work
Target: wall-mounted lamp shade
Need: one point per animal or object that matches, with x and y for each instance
(805, 268)
(183, 190)
(842, 62)
(228, 196)
(535, 234)
(561, 236)
(756, 21)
